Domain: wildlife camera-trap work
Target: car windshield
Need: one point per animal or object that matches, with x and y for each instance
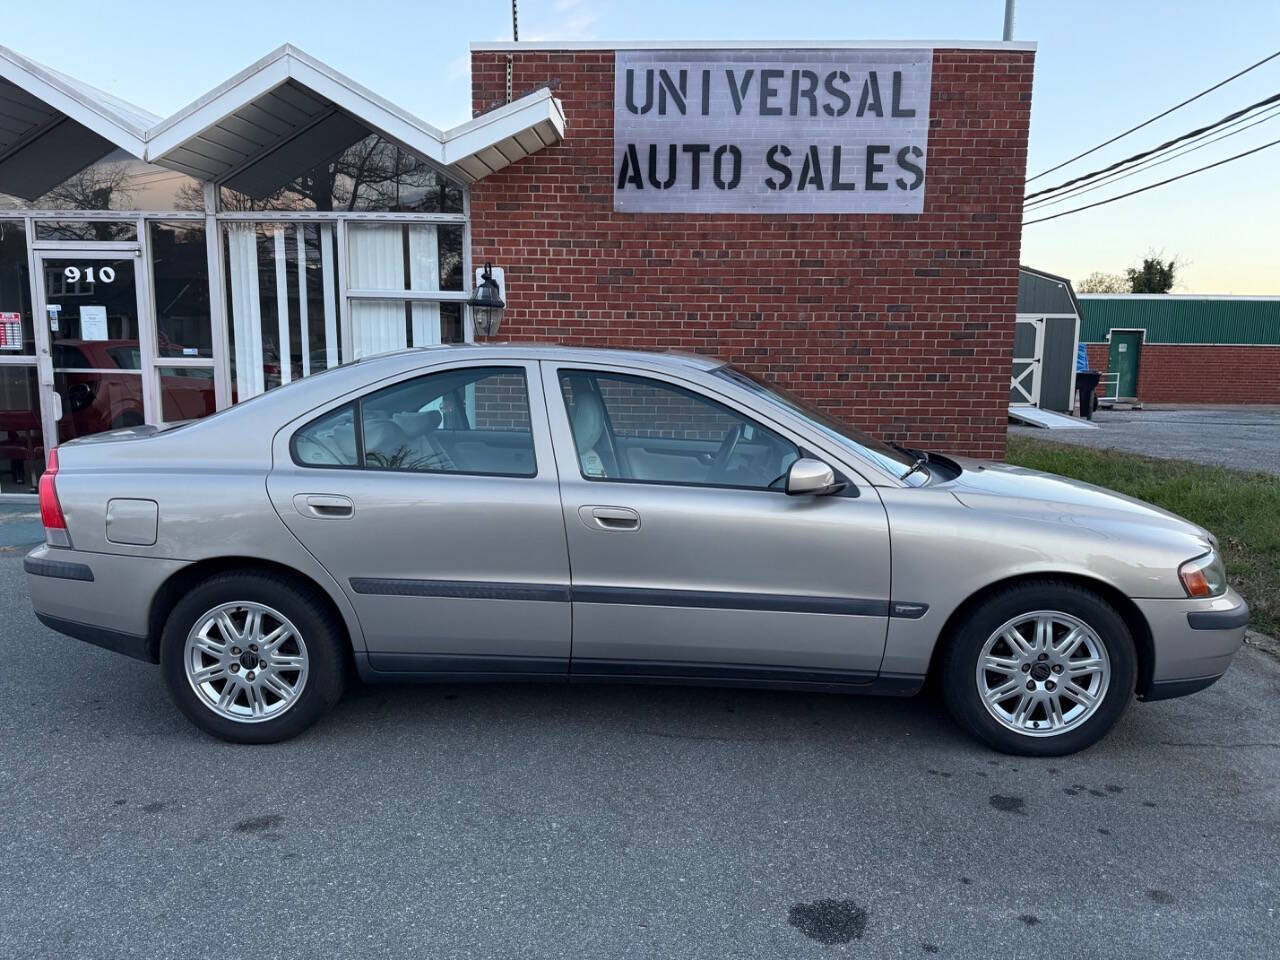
(890, 459)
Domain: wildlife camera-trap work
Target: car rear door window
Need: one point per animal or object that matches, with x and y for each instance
(647, 431)
(473, 420)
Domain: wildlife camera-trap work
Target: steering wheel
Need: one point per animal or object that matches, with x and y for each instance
(720, 465)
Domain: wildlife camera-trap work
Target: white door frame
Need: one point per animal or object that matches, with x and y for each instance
(1034, 364)
(49, 401)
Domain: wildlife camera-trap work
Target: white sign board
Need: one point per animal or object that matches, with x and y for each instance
(93, 323)
(771, 131)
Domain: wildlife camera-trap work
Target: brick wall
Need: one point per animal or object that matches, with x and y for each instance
(900, 323)
(1187, 373)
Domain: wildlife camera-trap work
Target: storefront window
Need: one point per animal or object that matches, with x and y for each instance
(90, 230)
(118, 181)
(397, 257)
(186, 393)
(16, 333)
(373, 175)
(383, 325)
(21, 437)
(282, 295)
(180, 272)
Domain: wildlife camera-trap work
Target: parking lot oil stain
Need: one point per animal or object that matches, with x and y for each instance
(1030, 919)
(155, 806)
(258, 824)
(1160, 896)
(830, 921)
(1008, 804)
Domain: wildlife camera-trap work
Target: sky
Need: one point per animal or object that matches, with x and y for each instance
(1100, 68)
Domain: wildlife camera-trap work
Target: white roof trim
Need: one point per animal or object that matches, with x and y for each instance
(1173, 296)
(508, 46)
(108, 116)
(445, 148)
(506, 121)
(152, 138)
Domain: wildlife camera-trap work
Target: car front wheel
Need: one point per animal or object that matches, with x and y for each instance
(1040, 669)
(252, 657)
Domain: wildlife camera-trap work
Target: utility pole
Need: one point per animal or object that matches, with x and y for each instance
(1008, 19)
(515, 36)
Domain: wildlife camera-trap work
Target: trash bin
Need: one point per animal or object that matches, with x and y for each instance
(1086, 383)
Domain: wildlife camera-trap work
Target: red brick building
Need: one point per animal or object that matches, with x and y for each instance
(844, 219)
(901, 322)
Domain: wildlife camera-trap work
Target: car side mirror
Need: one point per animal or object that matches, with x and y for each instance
(809, 477)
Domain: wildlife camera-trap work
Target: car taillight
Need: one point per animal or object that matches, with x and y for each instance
(50, 509)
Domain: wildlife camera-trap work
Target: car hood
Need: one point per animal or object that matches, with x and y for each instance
(1019, 490)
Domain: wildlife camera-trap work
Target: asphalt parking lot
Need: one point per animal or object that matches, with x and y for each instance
(1246, 438)
(549, 821)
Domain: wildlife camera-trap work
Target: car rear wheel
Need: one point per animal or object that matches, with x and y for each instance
(1040, 669)
(253, 657)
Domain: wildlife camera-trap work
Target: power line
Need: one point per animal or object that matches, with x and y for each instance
(1176, 106)
(1274, 98)
(1269, 114)
(1151, 186)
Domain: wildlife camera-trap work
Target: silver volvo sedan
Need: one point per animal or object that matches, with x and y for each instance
(526, 512)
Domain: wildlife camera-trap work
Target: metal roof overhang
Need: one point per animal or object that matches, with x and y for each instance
(52, 127)
(257, 131)
(289, 112)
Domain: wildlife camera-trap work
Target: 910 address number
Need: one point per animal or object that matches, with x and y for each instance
(90, 275)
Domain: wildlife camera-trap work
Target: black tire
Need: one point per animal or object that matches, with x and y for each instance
(959, 662)
(310, 613)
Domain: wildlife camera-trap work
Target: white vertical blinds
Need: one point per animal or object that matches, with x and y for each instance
(304, 327)
(246, 310)
(245, 251)
(330, 308)
(377, 263)
(282, 307)
(424, 274)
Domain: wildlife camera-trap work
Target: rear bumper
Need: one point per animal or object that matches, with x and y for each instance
(1194, 642)
(103, 599)
(127, 643)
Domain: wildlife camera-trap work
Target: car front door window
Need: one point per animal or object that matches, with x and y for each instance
(640, 430)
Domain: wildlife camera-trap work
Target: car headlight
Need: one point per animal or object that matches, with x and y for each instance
(1204, 576)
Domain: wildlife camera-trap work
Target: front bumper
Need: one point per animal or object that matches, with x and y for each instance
(1193, 641)
(101, 598)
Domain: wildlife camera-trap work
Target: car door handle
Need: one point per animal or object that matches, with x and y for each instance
(609, 518)
(324, 506)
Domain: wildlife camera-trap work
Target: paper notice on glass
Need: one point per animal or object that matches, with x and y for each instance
(93, 323)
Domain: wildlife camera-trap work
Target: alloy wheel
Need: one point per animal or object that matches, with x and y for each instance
(1043, 673)
(246, 661)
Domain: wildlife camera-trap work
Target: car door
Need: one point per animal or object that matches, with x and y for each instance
(433, 501)
(688, 559)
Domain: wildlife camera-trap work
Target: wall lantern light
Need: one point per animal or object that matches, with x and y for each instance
(486, 303)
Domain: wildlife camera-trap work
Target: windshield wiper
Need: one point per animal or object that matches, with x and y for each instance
(922, 459)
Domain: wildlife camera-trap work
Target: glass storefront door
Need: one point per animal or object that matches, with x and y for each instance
(92, 305)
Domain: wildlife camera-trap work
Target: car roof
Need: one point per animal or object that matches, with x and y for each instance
(669, 359)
